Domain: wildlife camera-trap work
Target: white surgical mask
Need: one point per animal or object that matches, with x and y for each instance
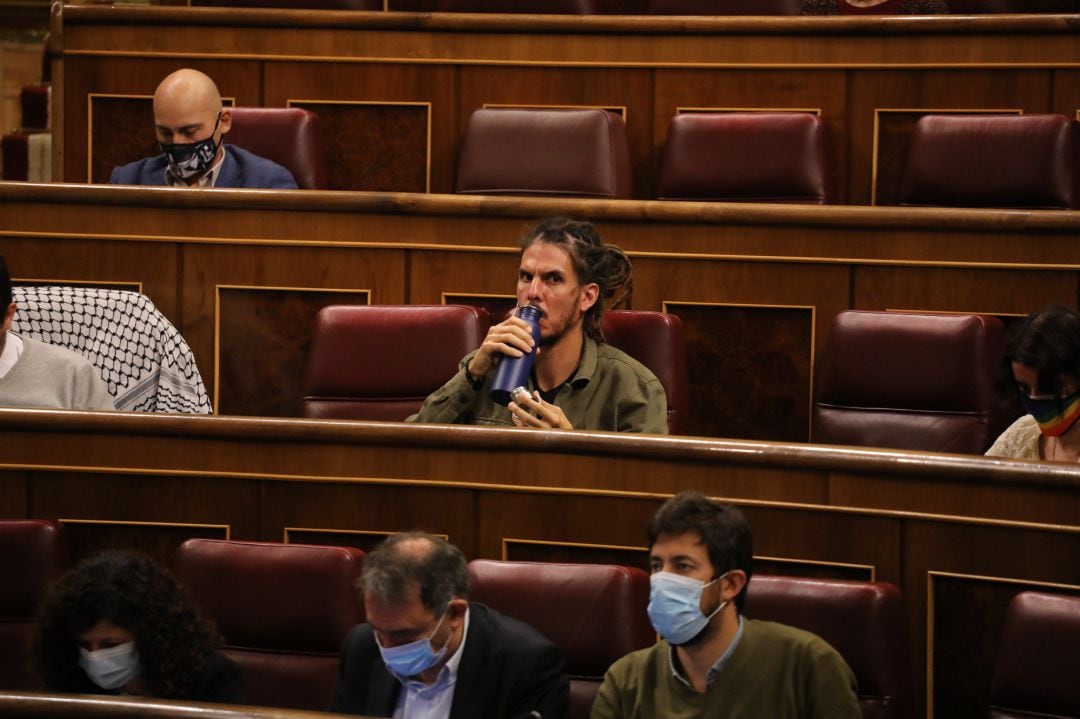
(675, 606)
(110, 668)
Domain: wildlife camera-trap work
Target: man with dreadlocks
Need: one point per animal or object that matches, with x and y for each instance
(577, 381)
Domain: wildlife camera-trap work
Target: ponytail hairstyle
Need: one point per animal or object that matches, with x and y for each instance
(606, 266)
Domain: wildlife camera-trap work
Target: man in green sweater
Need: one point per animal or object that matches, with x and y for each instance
(712, 662)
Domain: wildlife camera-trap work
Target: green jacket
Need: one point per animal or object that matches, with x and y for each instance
(610, 391)
(776, 671)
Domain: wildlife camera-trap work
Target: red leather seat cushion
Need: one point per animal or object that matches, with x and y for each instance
(289, 136)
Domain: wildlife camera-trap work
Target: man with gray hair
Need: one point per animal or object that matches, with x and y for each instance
(427, 652)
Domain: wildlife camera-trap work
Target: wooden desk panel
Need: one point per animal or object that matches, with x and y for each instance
(750, 281)
(848, 69)
(959, 535)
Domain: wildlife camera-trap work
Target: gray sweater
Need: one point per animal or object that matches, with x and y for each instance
(50, 377)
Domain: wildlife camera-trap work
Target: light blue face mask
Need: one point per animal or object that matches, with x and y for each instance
(408, 660)
(675, 606)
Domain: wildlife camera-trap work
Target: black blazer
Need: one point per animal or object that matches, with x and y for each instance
(507, 671)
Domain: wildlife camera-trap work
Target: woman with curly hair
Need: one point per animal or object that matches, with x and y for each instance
(118, 623)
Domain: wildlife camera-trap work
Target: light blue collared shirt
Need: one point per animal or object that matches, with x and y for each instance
(431, 701)
(718, 665)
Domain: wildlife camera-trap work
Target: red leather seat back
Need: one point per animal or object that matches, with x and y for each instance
(863, 621)
(289, 136)
(33, 553)
(744, 156)
(911, 381)
(283, 609)
(724, 7)
(655, 339)
(569, 153)
(539, 7)
(992, 161)
(1037, 668)
(595, 613)
(379, 362)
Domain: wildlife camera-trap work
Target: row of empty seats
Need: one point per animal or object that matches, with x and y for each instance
(887, 379)
(607, 7)
(284, 611)
(955, 160)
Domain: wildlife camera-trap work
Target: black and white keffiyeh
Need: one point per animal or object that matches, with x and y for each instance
(144, 360)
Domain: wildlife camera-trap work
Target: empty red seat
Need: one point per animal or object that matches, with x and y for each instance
(745, 157)
(283, 609)
(595, 613)
(379, 362)
(289, 136)
(863, 621)
(1036, 670)
(992, 161)
(911, 381)
(655, 339)
(33, 553)
(569, 153)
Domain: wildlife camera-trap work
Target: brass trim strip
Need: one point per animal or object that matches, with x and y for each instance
(75, 283)
(621, 109)
(365, 532)
(679, 110)
(539, 489)
(872, 568)
(381, 60)
(227, 528)
(551, 543)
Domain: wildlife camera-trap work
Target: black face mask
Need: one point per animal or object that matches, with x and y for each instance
(194, 158)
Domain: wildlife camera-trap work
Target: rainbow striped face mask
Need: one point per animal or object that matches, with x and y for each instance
(1055, 416)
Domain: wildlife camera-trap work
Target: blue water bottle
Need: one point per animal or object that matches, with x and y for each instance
(513, 372)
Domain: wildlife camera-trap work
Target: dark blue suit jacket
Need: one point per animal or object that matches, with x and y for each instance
(508, 669)
(240, 169)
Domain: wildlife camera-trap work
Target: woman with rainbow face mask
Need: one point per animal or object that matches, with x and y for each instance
(119, 623)
(1044, 358)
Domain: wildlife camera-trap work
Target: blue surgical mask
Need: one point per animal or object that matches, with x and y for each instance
(194, 158)
(110, 668)
(408, 660)
(675, 606)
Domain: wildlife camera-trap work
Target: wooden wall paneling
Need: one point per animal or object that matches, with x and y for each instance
(830, 535)
(119, 76)
(498, 306)
(375, 146)
(1066, 93)
(1018, 552)
(736, 89)
(977, 290)
(160, 540)
(750, 369)
(911, 89)
(14, 494)
(795, 301)
(263, 339)
(530, 550)
(629, 88)
(1006, 501)
(306, 269)
(87, 260)
(449, 511)
(433, 273)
